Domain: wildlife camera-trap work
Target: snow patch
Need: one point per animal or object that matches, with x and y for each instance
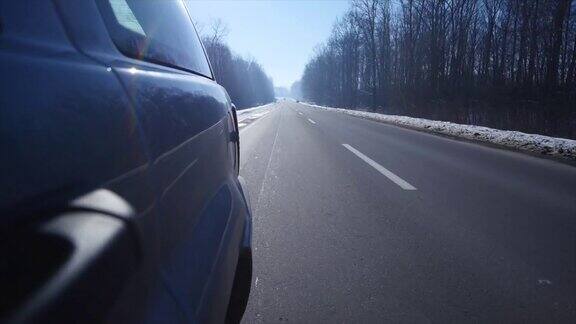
(251, 109)
(545, 145)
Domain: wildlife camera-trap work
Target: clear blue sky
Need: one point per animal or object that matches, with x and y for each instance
(280, 34)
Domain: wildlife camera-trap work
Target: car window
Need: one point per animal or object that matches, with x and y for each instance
(157, 31)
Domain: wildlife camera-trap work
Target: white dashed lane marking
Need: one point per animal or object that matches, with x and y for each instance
(387, 173)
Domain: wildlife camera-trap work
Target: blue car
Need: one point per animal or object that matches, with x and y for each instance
(121, 200)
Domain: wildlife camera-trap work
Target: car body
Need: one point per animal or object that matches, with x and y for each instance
(121, 198)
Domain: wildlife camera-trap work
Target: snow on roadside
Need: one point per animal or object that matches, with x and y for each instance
(247, 110)
(246, 116)
(545, 145)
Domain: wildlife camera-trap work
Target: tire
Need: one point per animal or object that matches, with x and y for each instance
(240, 289)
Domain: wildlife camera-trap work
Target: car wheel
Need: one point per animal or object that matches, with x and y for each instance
(240, 289)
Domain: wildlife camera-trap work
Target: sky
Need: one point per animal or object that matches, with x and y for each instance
(280, 34)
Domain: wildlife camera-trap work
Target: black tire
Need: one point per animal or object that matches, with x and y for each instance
(240, 289)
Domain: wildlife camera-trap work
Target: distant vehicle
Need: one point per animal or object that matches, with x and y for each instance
(121, 200)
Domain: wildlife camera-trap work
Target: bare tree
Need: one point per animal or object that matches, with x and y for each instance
(501, 63)
(244, 79)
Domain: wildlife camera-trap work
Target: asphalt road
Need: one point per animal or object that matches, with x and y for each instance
(357, 221)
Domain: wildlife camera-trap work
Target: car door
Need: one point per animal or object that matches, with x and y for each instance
(74, 173)
(187, 122)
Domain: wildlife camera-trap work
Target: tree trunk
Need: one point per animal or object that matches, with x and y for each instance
(557, 33)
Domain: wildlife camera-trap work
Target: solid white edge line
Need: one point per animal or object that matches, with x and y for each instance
(310, 120)
(387, 173)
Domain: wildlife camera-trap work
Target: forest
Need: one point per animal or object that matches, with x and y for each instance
(245, 80)
(508, 64)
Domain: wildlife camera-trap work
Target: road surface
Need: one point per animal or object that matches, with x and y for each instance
(357, 221)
